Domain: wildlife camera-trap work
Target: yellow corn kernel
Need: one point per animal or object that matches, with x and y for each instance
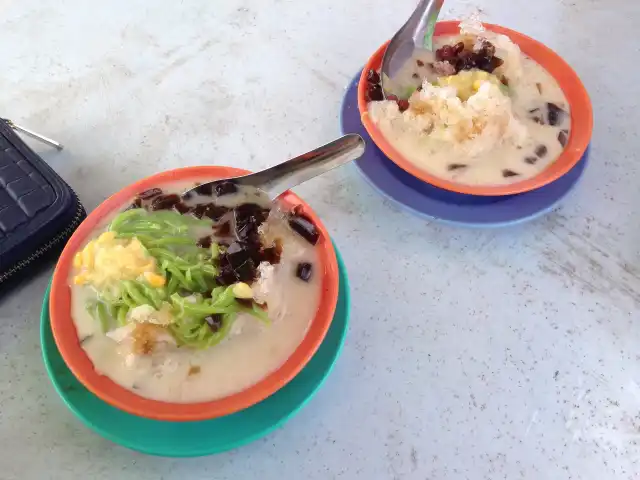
(242, 290)
(77, 260)
(107, 237)
(154, 279)
(477, 84)
(79, 280)
(148, 267)
(87, 259)
(135, 245)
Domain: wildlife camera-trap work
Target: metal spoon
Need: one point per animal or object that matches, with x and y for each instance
(280, 178)
(417, 32)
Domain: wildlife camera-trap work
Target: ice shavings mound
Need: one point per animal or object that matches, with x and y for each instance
(510, 53)
(474, 126)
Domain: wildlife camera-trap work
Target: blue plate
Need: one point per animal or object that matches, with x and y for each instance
(449, 207)
(191, 439)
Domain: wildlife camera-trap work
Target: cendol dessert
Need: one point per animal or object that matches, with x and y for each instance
(192, 299)
(479, 111)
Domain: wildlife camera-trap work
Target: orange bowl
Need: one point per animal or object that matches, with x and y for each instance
(580, 106)
(68, 343)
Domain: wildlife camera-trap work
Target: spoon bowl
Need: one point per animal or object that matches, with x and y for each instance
(417, 32)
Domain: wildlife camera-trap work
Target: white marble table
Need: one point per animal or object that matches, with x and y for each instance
(471, 354)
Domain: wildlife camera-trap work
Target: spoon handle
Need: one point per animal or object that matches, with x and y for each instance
(280, 178)
(423, 22)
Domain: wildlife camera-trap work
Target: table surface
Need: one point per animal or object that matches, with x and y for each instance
(471, 354)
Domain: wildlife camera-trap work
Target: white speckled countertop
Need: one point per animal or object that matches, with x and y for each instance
(471, 354)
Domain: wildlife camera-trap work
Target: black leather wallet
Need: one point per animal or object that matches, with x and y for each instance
(38, 210)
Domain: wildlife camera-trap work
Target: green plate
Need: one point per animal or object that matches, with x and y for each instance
(191, 439)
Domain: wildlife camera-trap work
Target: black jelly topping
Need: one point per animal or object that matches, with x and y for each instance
(214, 321)
(198, 210)
(149, 194)
(223, 230)
(303, 271)
(563, 136)
(555, 114)
(248, 218)
(204, 242)
(165, 202)
(241, 259)
(237, 263)
(181, 208)
(541, 150)
(205, 189)
(225, 188)
(215, 212)
(509, 173)
(245, 251)
(304, 227)
(456, 166)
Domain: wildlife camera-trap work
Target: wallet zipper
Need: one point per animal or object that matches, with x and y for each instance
(54, 242)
